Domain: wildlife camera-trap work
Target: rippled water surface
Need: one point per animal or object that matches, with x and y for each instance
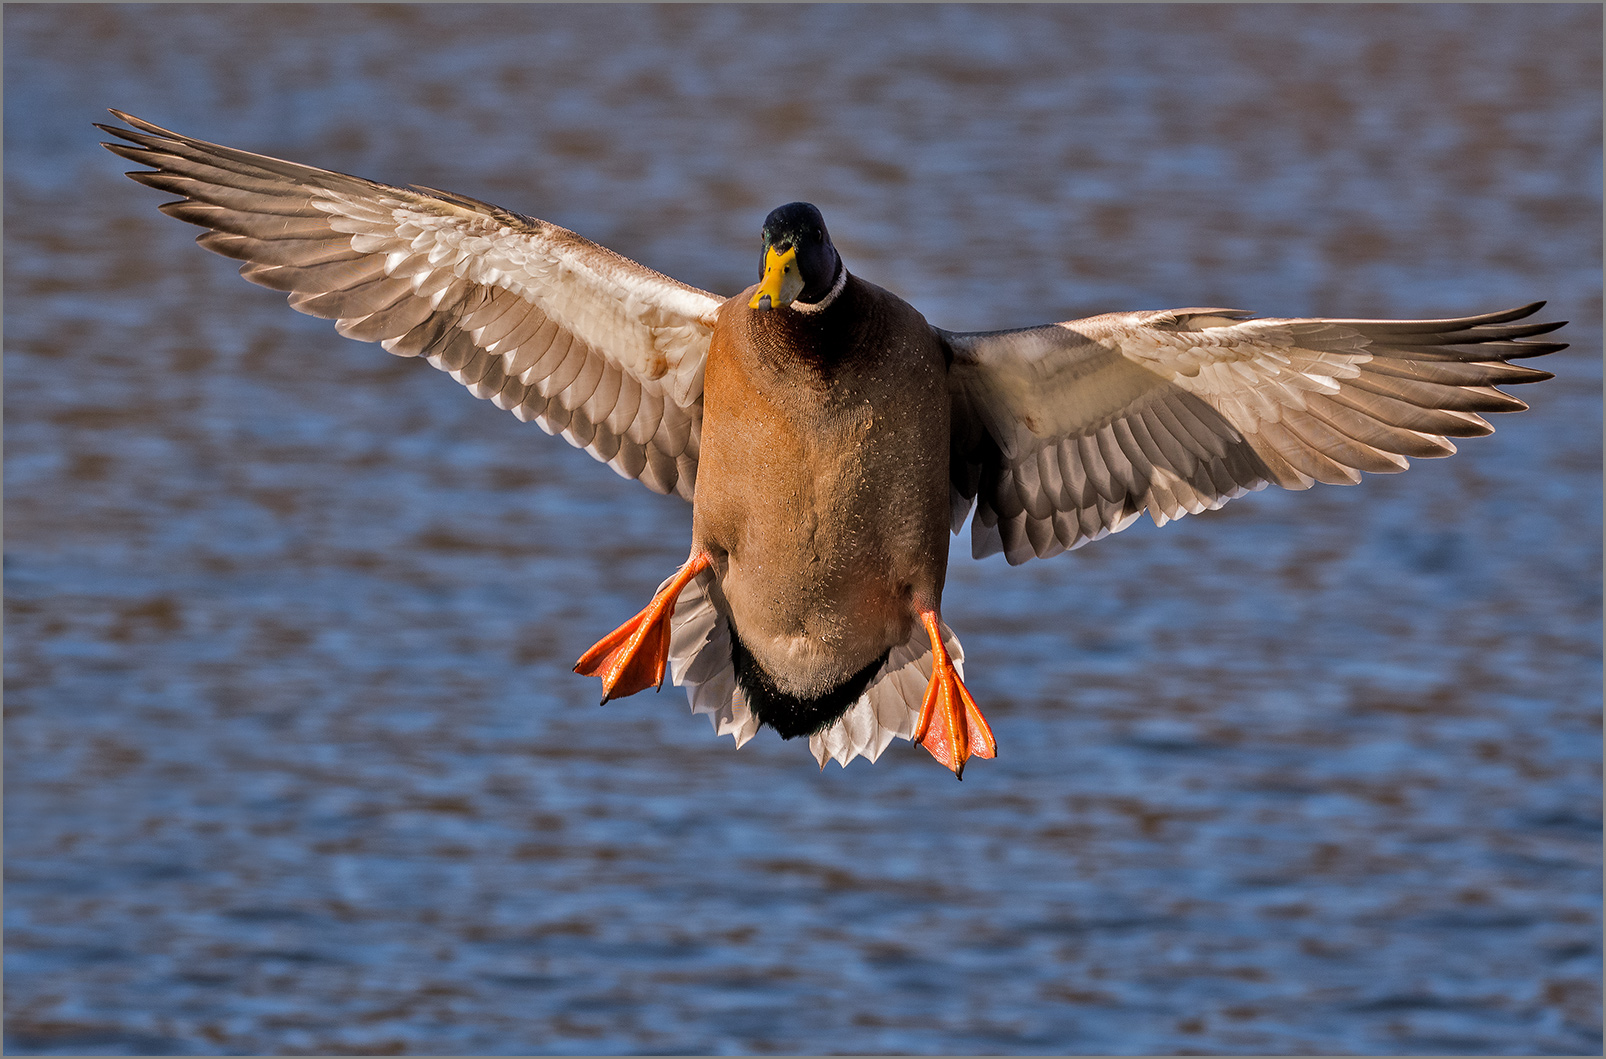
(295, 762)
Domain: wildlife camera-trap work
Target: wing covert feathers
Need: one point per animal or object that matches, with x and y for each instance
(544, 323)
(1067, 432)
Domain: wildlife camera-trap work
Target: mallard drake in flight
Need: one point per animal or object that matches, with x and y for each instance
(827, 436)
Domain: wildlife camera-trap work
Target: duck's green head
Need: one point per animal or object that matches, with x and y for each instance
(799, 264)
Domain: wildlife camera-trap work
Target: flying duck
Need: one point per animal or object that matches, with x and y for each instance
(827, 436)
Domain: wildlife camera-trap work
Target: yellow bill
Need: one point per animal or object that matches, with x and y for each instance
(782, 281)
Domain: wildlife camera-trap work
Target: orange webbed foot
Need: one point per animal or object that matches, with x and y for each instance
(951, 727)
(633, 657)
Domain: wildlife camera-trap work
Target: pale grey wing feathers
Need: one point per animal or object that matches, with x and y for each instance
(546, 324)
(1067, 432)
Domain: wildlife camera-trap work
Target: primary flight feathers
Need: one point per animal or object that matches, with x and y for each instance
(546, 324)
(1089, 423)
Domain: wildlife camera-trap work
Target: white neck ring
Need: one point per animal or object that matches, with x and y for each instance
(830, 295)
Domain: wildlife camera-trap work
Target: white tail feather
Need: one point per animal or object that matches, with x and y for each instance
(700, 661)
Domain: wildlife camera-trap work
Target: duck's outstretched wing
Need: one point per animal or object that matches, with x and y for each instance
(1067, 432)
(546, 324)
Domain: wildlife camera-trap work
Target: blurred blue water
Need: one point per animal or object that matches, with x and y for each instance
(295, 762)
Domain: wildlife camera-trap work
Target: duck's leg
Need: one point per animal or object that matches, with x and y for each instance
(950, 727)
(632, 657)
